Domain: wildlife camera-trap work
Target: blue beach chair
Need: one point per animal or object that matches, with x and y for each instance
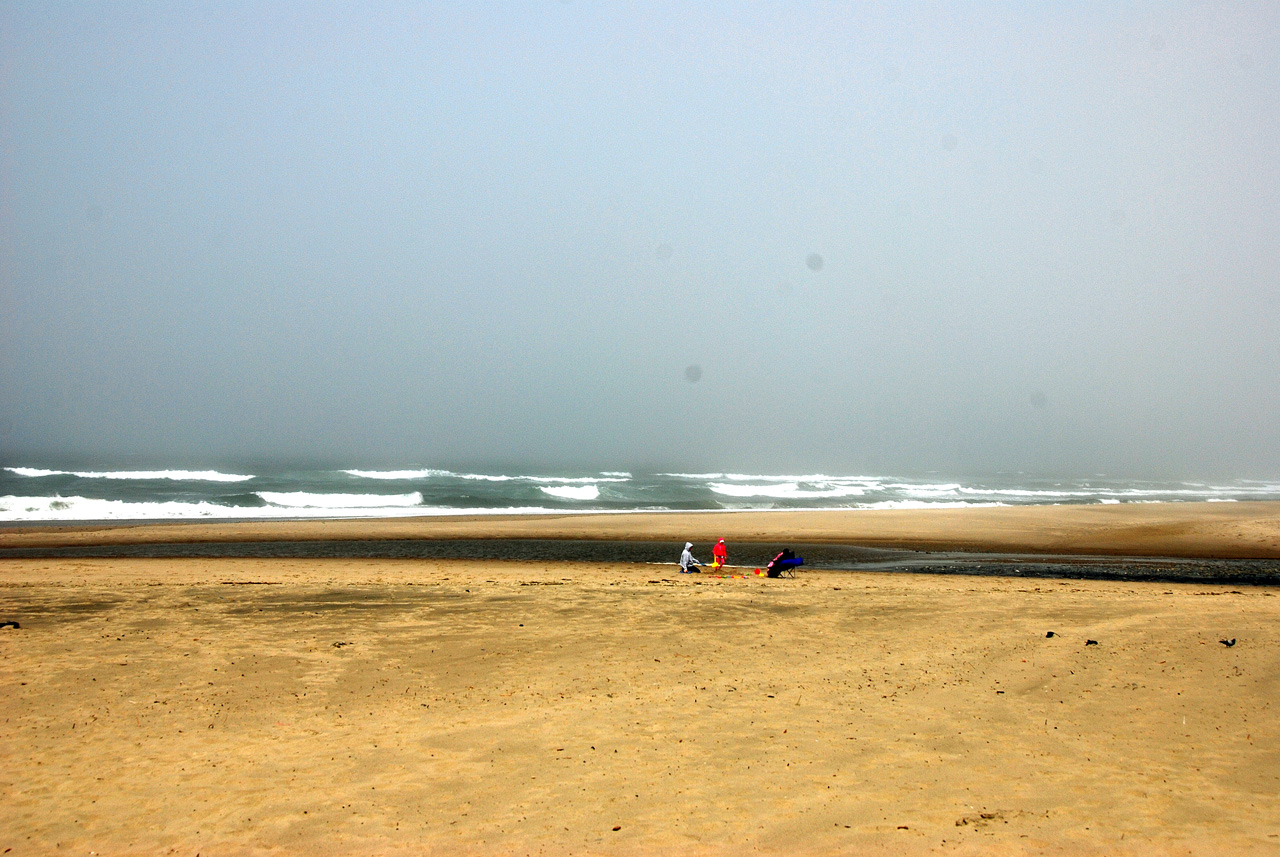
(784, 564)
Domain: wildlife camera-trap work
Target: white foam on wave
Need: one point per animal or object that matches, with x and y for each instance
(813, 478)
(786, 490)
(1019, 492)
(433, 473)
(1263, 485)
(608, 476)
(176, 475)
(572, 492)
(541, 480)
(1173, 492)
(926, 490)
(14, 508)
(1243, 486)
(397, 474)
(21, 509)
(36, 472)
(307, 500)
(1208, 493)
(576, 480)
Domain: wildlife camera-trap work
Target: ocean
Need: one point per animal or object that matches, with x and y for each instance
(45, 494)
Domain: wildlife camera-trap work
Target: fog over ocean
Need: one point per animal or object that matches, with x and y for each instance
(557, 238)
(366, 367)
(34, 494)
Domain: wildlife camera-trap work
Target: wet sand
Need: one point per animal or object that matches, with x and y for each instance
(1211, 530)
(277, 706)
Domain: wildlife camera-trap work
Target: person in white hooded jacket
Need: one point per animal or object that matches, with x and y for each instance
(687, 560)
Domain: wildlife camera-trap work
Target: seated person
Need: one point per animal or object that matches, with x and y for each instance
(786, 560)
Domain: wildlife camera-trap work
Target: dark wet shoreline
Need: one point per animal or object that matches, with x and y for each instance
(744, 556)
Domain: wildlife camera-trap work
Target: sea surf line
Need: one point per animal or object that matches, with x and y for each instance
(41, 492)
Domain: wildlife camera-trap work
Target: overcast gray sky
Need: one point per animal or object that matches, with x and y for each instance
(852, 237)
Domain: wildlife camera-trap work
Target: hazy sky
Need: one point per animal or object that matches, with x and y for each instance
(851, 237)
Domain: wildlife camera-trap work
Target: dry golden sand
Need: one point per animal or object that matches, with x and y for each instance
(229, 707)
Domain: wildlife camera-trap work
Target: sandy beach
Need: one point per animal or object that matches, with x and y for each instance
(244, 706)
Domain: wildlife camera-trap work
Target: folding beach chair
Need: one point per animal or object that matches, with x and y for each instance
(784, 564)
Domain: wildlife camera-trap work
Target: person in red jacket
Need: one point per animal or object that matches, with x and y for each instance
(720, 554)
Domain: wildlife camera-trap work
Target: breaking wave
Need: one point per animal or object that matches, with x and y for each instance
(305, 500)
(573, 492)
(787, 490)
(396, 474)
(61, 494)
